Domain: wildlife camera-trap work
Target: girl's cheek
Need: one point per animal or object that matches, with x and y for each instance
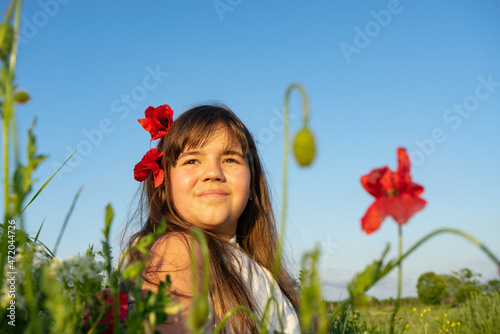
(242, 177)
(189, 177)
(183, 178)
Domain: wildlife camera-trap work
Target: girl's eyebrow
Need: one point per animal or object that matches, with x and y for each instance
(231, 152)
(189, 153)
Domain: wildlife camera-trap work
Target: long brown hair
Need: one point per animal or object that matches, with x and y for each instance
(256, 231)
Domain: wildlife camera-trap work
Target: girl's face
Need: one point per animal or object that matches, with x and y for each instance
(211, 184)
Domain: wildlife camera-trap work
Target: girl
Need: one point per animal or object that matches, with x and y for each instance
(205, 172)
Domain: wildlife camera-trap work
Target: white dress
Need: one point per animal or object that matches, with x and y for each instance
(263, 286)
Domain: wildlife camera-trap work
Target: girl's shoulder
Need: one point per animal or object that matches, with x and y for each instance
(171, 251)
(171, 255)
(172, 241)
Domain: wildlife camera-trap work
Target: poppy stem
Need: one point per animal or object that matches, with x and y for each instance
(400, 279)
(286, 149)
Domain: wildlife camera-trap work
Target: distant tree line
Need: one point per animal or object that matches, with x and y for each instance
(432, 288)
(455, 288)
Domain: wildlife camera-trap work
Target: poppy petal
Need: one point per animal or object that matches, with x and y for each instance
(159, 134)
(371, 181)
(149, 112)
(374, 216)
(403, 170)
(148, 125)
(415, 188)
(105, 298)
(158, 176)
(388, 183)
(123, 311)
(404, 206)
(141, 173)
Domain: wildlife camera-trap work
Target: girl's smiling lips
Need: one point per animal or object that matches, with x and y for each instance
(212, 193)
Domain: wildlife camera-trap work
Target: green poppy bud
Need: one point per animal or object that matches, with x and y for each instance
(21, 96)
(198, 314)
(303, 147)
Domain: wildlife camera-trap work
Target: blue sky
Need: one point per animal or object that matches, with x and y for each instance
(420, 74)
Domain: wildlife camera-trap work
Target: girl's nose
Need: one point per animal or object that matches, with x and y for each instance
(213, 172)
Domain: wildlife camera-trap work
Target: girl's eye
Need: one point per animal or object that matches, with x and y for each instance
(190, 162)
(230, 160)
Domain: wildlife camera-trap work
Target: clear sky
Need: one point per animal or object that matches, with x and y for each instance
(420, 74)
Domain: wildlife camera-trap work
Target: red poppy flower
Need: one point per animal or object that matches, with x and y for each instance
(395, 194)
(149, 163)
(157, 121)
(106, 298)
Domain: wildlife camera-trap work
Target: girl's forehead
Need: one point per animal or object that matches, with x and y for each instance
(222, 137)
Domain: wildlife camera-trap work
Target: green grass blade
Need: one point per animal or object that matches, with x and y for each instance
(44, 185)
(46, 248)
(66, 220)
(38, 233)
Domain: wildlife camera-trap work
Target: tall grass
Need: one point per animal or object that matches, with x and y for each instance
(481, 314)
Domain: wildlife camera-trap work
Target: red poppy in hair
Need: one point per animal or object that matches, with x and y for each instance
(158, 120)
(149, 163)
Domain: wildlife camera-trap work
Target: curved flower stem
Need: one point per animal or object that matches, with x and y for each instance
(400, 279)
(453, 231)
(393, 264)
(286, 150)
(427, 237)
